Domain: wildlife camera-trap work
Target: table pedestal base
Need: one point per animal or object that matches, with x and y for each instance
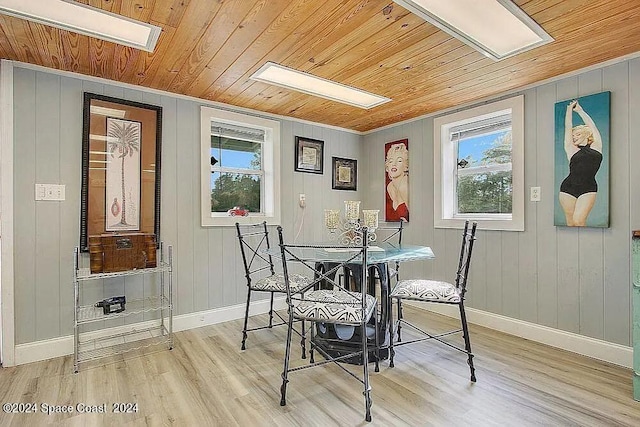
(331, 341)
(339, 340)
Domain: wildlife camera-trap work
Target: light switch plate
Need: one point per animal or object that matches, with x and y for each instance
(50, 192)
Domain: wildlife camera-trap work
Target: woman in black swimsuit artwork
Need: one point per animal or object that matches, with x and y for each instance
(583, 145)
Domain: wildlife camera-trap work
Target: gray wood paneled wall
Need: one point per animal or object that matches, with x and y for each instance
(207, 264)
(576, 280)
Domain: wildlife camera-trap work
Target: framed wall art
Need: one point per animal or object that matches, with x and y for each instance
(582, 161)
(121, 147)
(344, 174)
(309, 155)
(396, 167)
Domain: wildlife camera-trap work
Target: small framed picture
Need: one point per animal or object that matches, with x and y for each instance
(309, 155)
(345, 174)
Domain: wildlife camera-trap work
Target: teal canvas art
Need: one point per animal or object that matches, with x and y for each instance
(582, 143)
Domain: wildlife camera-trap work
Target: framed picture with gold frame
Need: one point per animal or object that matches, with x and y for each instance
(344, 174)
(121, 147)
(309, 155)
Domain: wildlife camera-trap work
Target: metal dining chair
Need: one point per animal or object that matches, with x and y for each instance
(326, 301)
(261, 276)
(438, 292)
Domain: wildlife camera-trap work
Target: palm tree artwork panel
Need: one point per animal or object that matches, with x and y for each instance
(123, 175)
(121, 159)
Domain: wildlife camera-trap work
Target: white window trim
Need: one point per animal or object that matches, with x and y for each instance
(444, 202)
(271, 156)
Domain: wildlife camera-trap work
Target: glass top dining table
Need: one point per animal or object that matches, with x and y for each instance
(376, 254)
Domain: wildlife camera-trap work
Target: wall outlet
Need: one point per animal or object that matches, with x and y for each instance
(302, 201)
(535, 194)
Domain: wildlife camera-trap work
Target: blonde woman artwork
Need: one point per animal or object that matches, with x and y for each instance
(397, 181)
(583, 147)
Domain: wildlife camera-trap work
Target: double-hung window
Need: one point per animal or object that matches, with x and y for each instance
(240, 170)
(479, 167)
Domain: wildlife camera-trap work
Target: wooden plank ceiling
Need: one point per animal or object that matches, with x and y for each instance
(208, 49)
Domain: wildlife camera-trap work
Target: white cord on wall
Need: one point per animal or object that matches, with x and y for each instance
(302, 206)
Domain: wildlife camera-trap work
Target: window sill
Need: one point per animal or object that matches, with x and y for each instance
(230, 221)
(483, 223)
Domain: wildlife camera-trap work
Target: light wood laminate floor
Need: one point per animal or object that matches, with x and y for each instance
(207, 381)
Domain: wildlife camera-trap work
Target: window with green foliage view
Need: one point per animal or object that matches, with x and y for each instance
(236, 175)
(240, 168)
(484, 181)
(478, 171)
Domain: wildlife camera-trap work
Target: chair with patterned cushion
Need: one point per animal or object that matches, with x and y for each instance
(438, 292)
(326, 301)
(261, 275)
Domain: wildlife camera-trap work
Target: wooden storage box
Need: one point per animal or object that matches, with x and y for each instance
(123, 251)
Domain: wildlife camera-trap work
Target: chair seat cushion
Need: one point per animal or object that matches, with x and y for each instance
(275, 283)
(334, 307)
(426, 290)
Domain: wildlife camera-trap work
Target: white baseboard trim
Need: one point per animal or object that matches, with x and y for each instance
(42, 350)
(63, 346)
(598, 349)
(199, 319)
(586, 346)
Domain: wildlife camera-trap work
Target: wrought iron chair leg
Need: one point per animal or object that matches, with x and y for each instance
(365, 373)
(246, 319)
(392, 325)
(285, 370)
(303, 342)
(467, 341)
(271, 312)
(312, 326)
(377, 341)
(400, 316)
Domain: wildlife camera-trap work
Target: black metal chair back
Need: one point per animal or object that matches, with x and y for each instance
(260, 273)
(254, 241)
(323, 278)
(468, 237)
(392, 234)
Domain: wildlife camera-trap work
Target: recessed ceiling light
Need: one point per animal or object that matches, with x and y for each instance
(87, 20)
(280, 75)
(497, 28)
